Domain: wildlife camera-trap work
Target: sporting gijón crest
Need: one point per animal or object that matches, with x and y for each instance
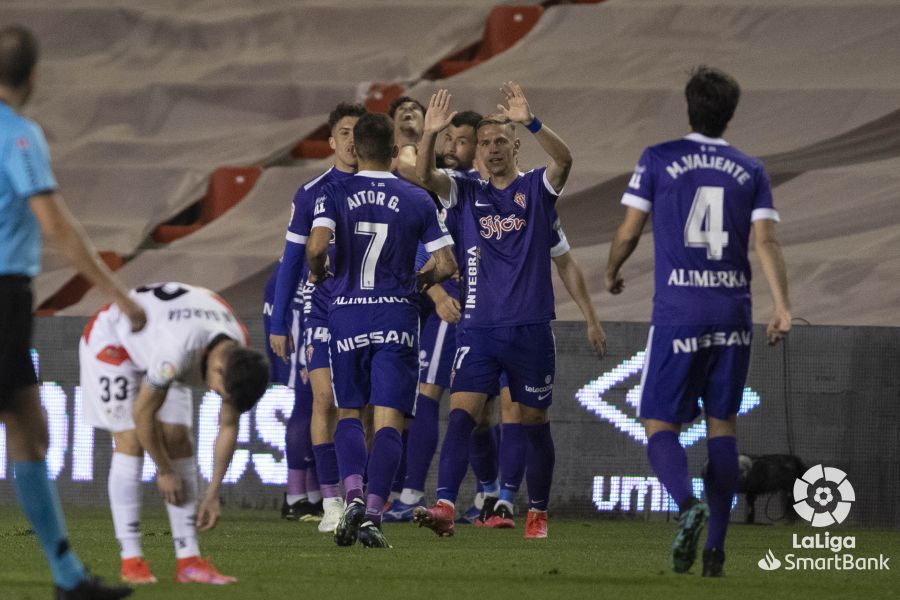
(520, 199)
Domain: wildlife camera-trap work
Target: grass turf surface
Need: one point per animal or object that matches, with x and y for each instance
(276, 559)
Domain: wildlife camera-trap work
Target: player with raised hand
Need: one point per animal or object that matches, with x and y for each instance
(135, 385)
(292, 273)
(377, 221)
(505, 229)
(441, 311)
(706, 197)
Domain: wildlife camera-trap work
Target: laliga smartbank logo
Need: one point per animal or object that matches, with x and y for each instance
(823, 496)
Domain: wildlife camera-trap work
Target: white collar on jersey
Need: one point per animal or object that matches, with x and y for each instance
(377, 174)
(702, 139)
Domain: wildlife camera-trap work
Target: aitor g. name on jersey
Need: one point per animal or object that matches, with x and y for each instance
(704, 196)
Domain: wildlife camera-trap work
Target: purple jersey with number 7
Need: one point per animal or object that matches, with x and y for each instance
(375, 215)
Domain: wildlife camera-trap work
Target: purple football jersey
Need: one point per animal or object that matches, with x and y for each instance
(302, 216)
(377, 219)
(504, 236)
(704, 195)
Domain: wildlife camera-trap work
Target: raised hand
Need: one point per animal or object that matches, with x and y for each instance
(518, 111)
(439, 115)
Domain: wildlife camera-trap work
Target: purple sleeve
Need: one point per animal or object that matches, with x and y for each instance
(291, 266)
(640, 188)
(434, 233)
(763, 205)
(422, 257)
(325, 213)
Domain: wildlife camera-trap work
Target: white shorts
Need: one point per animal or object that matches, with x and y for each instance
(110, 381)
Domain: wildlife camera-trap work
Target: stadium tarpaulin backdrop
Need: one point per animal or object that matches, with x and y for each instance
(831, 395)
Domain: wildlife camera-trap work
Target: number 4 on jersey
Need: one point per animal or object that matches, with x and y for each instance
(705, 224)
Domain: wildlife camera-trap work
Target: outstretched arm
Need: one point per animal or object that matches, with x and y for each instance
(226, 441)
(60, 227)
(146, 405)
(623, 244)
(520, 112)
(772, 259)
(573, 278)
(437, 118)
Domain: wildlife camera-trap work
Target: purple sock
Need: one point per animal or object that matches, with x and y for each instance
(423, 438)
(296, 483)
(327, 470)
(483, 458)
(400, 476)
(721, 484)
(669, 462)
(454, 454)
(312, 482)
(541, 458)
(513, 452)
(298, 445)
(387, 448)
(350, 445)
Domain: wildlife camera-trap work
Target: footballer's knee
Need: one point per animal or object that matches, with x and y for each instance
(533, 416)
(127, 443)
(719, 428)
(432, 390)
(178, 440)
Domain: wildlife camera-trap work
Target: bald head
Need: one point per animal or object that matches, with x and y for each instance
(18, 56)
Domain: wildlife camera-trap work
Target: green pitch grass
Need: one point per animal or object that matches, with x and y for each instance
(275, 559)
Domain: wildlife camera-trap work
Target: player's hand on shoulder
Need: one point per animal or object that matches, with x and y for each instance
(597, 338)
(439, 115)
(134, 312)
(615, 284)
(448, 309)
(517, 109)
(778, 327)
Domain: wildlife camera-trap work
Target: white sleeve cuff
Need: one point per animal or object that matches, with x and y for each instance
(561, 248)
(642, 204)
(454, 195)
(759, 214)
(550, 187)
(324, 222)
(295, 237)
(438, 243)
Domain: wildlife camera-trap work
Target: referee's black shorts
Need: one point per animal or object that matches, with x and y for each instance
(16, 369)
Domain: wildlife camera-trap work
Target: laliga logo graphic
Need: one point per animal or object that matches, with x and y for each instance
(594, 397)
(823, 496)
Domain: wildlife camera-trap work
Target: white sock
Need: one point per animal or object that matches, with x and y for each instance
(183, 518)
(410, 496)
(314, 496)
(294, 498)
(448, 503)
(125, 502)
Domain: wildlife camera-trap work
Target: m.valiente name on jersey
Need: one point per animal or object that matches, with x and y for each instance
(689, 162)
